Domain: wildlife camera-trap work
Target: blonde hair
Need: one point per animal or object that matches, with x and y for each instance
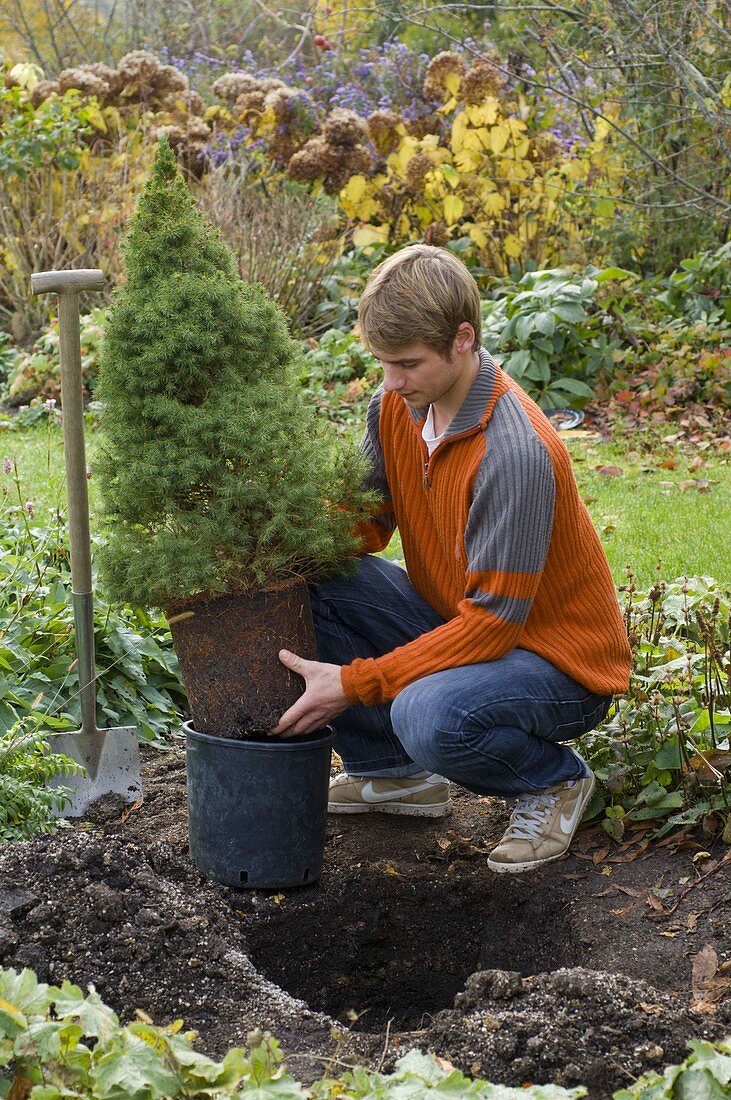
(420, 295)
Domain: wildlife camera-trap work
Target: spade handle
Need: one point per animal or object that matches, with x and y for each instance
(68, 285)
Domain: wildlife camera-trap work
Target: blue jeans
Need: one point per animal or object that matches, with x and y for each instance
(496, 728)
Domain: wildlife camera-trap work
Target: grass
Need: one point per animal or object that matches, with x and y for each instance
(663, 513)
(658, 511)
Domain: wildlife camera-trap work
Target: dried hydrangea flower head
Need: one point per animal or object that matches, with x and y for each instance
(438, 69)
(417, 170)
(483, 79)
(383, 130)
(345, 128)
(232, 85)
(139, 67)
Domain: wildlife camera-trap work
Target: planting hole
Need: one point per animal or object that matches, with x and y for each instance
(384, 948)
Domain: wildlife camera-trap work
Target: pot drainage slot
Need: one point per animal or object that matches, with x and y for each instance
(385, 949)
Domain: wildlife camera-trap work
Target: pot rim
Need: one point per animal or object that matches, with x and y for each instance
(274, 744)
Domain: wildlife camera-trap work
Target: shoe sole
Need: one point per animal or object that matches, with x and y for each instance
(440, 809)
(521, 868)
(532, 864)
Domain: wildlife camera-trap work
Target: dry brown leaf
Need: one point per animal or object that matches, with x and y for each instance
(628, 857)
(650, 1009)
(710, 764)
(20, 1088)
(611, 471)
(691, 924)
(443, 1063)
(600, 855)
(655, 903)
(705, 965)
(627, 909)
(615, 888)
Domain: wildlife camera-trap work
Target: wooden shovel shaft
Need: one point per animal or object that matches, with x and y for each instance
(72, 401)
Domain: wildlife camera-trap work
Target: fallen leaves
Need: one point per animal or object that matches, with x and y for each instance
(710, 981)
(701, 484)
(453, 846)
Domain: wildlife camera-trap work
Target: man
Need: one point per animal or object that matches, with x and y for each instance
(503, 639)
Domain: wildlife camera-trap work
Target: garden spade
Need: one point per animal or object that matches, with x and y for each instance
(110, 757)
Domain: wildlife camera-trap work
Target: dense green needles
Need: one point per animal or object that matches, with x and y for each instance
(214, 475)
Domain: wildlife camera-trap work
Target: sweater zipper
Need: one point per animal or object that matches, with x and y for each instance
(429, 457)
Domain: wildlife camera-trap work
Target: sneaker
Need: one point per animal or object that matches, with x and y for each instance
(541, 827)
(424, 795)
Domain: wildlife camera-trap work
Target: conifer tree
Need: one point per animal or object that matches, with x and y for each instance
(215, 476)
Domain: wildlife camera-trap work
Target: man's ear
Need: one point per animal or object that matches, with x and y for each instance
(465, 338)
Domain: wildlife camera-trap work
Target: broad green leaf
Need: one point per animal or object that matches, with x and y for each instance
(517, 363)
(95, 1017)
(524, 326)
(545, 322)
(24, 992)
(569, 311)
(47, 1039)
(609, 273)
(573, 385)
(669, 755)
(132, 1071)
(711, 1059)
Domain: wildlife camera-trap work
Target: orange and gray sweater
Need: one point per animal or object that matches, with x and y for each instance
(496, 539)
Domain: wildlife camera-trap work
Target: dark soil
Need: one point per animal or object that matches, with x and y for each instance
(593, 970)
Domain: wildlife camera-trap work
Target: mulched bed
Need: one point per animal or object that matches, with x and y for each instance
(593, 970)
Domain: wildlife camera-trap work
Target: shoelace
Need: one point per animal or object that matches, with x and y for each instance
(529, 816)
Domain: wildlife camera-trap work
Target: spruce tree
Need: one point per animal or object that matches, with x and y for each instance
(215, 476)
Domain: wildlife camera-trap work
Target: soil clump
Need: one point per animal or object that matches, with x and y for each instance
(592, 970)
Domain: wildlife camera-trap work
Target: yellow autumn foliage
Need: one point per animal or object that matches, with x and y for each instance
(514, 198)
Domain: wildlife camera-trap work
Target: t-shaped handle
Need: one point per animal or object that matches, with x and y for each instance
(67, 282)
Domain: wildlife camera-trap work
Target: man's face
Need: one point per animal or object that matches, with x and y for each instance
(419, 374)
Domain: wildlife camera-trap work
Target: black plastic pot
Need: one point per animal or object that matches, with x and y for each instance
(257, 809)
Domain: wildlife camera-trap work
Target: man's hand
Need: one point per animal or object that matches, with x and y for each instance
(323, 699)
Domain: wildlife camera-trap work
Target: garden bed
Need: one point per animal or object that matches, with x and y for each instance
(598, 967)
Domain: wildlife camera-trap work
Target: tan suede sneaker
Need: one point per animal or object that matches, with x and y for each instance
(541, 827)
(413, 796)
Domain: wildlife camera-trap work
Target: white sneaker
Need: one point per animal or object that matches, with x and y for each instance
(425, 795)
(541, 827)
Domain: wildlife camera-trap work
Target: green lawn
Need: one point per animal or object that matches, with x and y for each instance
(665, 513)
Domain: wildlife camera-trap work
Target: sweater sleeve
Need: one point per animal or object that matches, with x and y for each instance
(376, 533)
(506, 541)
